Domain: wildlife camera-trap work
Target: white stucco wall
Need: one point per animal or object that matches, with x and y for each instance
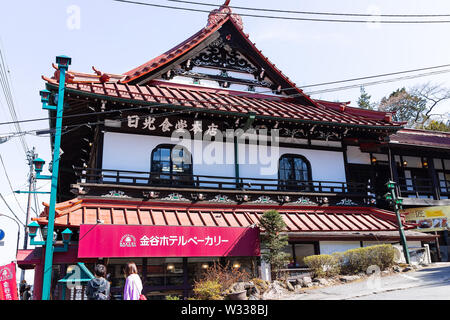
(411, 244)
(133, 152)
(325, 165)
(329, 247)
(354, 155)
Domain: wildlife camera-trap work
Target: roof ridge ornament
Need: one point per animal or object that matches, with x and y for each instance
(217, 15)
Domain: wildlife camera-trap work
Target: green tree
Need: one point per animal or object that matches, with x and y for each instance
(405, 106)
(436, 125)
(416, 105)
(273, 241)
(364, 100)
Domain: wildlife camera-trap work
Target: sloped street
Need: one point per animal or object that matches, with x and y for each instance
(429, 283)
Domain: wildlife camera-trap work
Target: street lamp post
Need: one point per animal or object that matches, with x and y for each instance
(396, 202)
(63, 64)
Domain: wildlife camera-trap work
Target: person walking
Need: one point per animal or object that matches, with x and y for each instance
(26, 295)
(98, 288)
(22, 286)
(133, 283)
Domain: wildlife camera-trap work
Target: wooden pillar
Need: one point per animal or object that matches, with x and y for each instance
(438, 247)
(393, 170)
(434, 178)
(236, 161)
(393, 166)
(144, 270)
(294, 257)
(372, 176)
(346, 164)
(37, 286)
(185, 277)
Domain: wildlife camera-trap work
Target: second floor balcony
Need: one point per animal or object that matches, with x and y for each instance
(192, 187)
(419, 190)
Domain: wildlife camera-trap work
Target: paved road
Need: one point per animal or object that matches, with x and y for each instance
(430, 283)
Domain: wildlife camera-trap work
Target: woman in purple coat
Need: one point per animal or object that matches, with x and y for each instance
(133, 283)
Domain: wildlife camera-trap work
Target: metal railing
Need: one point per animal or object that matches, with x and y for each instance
(422, 187)
(182, 180)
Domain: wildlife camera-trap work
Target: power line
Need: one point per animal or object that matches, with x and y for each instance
(7, 205)
(165, 114)
(246, 94)
(289, 18)
(377, 82)
(316, 13)
(5, 80)
(9, 182)
(375, 76)
(73, 127)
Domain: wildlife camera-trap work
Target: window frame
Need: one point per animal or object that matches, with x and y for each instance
(291, 184)
(186, 177)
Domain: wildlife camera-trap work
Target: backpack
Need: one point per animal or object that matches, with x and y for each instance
(99, 296)
(95, 294)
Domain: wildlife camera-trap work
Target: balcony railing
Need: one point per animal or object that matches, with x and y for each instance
(423, 188)
(180, 180)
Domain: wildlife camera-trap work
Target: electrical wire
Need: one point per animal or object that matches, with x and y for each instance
(7, 205)
(165, 114)
(316, 13)
(288, 18)
(375, 76)
(366, 84)
(197, 110)
(9, 182)
(5, 82)
(245, 94)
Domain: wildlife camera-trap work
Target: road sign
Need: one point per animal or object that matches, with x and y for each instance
(2, 234)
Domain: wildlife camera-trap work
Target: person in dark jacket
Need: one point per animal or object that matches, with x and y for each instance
(98, 288)
(26, 295)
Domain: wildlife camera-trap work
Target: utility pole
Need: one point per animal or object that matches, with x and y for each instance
(31, 155)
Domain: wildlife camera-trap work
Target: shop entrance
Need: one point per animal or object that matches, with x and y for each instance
(163, 277)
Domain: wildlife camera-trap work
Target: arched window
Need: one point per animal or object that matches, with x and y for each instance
(171, 164)
(294, 172)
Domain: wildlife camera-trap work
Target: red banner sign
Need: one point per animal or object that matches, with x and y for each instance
(166, 241)
(8, 286)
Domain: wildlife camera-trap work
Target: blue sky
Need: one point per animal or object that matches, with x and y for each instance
(116, 37)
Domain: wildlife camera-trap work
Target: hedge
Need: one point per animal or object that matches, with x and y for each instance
(323, 265)
(208, 290)
(352, 261)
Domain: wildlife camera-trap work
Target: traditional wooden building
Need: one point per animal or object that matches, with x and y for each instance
(198, 143)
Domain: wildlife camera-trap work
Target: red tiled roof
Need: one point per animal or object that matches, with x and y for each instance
(226, 101)
(175, 52)
(117, 86)
(217, 18)
(423, 138)
(297, 218)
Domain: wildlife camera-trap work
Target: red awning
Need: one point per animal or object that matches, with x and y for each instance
(27, 259)
(117, 241)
